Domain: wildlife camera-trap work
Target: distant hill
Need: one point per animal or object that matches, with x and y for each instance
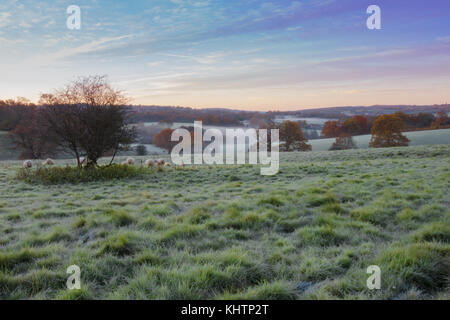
(214, 116)
(231, 116)
(337, 112)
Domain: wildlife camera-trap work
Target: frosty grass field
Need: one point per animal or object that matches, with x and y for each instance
(215, 232)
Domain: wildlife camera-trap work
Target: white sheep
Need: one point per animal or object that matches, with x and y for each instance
(27, 164)
(129, 162)
(48, 162)
(149, 163)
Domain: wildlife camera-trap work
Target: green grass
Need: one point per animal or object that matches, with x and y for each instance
(226, 232)
(417, 138)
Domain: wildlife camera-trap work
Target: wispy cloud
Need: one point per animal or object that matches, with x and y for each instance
(218, 52)
(205, 59)
(5, 19)
(444, 39)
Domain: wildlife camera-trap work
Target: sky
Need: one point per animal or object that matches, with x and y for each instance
(240, 54)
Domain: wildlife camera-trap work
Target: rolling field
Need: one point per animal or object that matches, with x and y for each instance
(432, 137)
(226, 232)
(418, 138)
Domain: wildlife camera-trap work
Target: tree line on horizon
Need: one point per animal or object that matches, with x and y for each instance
(88, 118)
(386, 131)
(169, 115)
(360, 125)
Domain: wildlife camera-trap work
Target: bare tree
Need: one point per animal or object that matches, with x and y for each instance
(89, 118)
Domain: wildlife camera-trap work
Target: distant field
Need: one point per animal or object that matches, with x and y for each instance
(210, 232)
(432, 137)
(417, 138)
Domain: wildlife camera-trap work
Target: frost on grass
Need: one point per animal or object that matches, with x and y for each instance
(227, 232)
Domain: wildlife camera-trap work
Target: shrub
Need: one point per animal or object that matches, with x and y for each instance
(343, 142)
(58, 175)
(141, 150)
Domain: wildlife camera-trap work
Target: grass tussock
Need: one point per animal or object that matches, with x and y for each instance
(26, 255)
(121, 243)
(424, 266)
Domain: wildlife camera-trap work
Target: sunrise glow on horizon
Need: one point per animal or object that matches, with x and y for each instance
(260, 55)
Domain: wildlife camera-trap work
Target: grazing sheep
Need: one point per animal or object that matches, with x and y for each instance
(48, 162)
(27, 164)
(149, 163)
(129, 162)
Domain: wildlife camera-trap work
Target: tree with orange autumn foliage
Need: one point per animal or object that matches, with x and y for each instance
(163, 139)
(356, 125)
(331, 129)
(292, 135)
(387, 132)
(442, 120)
